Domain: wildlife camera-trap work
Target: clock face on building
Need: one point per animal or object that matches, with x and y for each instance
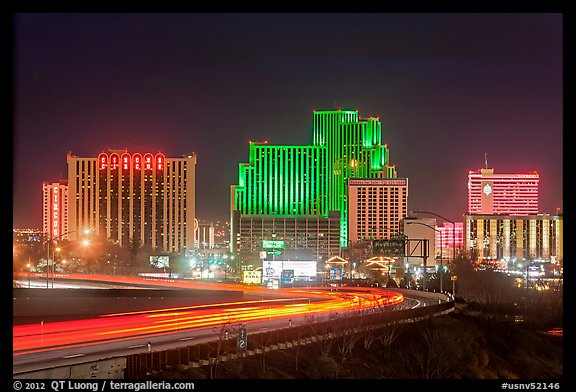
(487, 189)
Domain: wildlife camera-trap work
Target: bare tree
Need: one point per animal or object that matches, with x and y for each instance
(388, 337)
(368, 338)
(345, 342)
(491, 290)
(351, 329)
(436, 352)
(225, 330)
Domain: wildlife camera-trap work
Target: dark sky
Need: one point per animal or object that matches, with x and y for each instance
(447, 88)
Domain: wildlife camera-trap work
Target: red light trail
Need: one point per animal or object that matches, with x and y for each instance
(32, 338)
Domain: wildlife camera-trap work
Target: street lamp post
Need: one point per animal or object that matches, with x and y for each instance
(48, 241)
(441, 246)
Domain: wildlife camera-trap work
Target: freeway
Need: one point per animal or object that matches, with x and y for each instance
(36, 345)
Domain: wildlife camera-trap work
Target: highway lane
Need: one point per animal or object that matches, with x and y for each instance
(77, 340)
(69, 356)
(39, 346)
(82, 354)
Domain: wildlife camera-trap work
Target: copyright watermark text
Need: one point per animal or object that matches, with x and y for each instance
(100, 386)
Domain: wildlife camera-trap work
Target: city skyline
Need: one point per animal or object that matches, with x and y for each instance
(448, 88)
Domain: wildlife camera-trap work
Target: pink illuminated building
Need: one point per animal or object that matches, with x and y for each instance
(445, 238)
(504, 222)
(502, 194)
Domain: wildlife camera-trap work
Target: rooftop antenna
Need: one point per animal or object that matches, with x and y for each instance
(486, 160)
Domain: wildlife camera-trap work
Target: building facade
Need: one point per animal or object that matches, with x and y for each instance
(204, 236)
(510, 194)
(145, 198)
(354, 149)
(55, 210)
(499, 237)
(376, 207)
(422, 240)
(450, 236)
(303, 237)
(294, 182)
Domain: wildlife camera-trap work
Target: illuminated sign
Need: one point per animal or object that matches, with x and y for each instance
(148, 161)
(102, 161)
(336, 273)
(269, 244)
(114, 161)
(274, 268)
(252, 277)
(137, 161)
(487, 197)
(55, 216)
(400, 182)
(159, 162)
(287, 276)
(389, 248)
(125, 162)
(160, 261)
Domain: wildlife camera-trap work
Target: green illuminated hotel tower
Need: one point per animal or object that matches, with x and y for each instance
(288, 187)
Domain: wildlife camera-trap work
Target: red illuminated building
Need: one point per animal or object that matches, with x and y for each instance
(146, 198)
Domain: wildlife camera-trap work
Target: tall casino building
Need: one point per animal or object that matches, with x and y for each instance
(504, 221)
(494, 193)
(299, 193)
(146, 198)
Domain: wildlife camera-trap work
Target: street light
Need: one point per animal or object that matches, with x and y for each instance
(441, 246)
(48, 241)
(453, 230)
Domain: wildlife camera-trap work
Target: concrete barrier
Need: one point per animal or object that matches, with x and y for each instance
(112, 368)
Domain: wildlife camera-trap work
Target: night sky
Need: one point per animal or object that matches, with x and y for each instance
(447, 87)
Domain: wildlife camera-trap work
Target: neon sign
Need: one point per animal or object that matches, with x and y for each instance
(125, 162)
(114, 161)
(159, 162)
(148, 161)
(55, 216)
(102, 161)
(137, 161)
